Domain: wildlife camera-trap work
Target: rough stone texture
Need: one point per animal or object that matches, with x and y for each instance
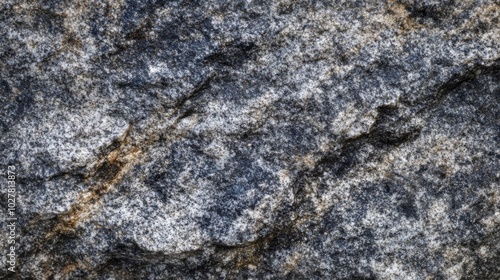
(159, 139)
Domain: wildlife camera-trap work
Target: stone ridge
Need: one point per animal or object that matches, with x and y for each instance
(172, 139)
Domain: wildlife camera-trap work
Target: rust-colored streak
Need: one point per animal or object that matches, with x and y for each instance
(248, 256)
(401, 17)
(69, 268)
(108, 174)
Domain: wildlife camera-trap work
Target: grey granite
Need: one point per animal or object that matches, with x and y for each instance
(157, 139)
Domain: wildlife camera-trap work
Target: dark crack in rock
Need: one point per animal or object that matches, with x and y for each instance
(251, 139)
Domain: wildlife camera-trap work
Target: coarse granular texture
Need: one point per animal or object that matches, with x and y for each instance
(158, 139)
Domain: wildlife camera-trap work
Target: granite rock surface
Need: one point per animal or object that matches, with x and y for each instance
(164, 139)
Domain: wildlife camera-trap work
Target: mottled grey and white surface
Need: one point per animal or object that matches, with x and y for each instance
(159, 139)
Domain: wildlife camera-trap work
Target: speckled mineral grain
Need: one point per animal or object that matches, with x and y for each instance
(164, 139)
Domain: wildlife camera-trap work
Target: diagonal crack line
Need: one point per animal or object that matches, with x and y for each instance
(382, 133)
(199, 88)
(111, 169)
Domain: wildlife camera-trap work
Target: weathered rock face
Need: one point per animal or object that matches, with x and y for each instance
(159, 139)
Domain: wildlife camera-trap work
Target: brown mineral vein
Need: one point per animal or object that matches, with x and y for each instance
(113, 166)
(112, 169)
